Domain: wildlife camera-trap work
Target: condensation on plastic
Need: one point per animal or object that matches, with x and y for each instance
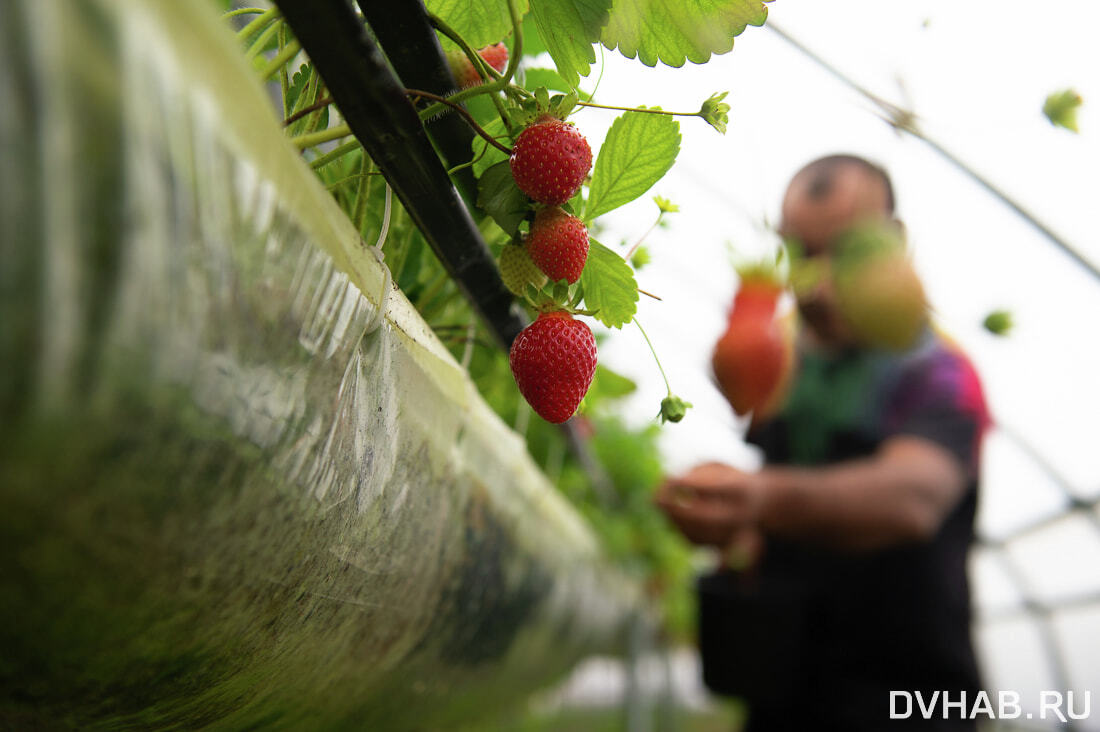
(242, 483)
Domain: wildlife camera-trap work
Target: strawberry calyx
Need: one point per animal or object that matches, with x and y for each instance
(542, 107)
(760, 288)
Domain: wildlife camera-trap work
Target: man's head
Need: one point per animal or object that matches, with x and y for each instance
(824, 198)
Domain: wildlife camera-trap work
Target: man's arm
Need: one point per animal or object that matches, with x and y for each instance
(900, 494)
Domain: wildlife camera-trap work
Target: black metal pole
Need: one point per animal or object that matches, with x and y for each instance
(406, 36)
(374, 104)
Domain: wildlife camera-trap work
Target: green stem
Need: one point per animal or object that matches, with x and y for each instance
(284, 79)
(402, 254)
(430, 301)
(335, 153)
(244, 11)
(362, 194)
(649, 231)
(470, 164)
(348, 179)
(317, 117)
(639, 109)
(500, 84)
(486, 71)
(316, 138)
(654, 352)
(281, 59)
(465, 115)
(258, 46)
(249, 30)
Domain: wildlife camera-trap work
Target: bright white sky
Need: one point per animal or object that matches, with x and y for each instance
(976, 73)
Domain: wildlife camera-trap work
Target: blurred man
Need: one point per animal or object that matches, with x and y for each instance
(853, 537)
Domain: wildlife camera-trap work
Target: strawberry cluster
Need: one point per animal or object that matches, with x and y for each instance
(554, 359)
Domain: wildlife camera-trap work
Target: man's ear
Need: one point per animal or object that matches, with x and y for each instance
(903, 231)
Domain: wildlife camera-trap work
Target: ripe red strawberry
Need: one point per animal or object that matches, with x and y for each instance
(754, 358)
(550, 159)
(465, 73)
(558, 244)
(553, 361)
(496, 56)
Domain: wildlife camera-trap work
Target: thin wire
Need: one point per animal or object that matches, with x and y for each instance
(905, 120)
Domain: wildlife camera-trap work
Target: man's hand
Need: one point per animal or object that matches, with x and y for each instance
(711, 503)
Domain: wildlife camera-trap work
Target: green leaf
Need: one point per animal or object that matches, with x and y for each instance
(638, 150)
(550, 79)
(609, 384)
(672, 31)
(297, 85)
(492, 155)
(1061, 108)
(480, 22)
(609, 286)
(499, 197)
(532, 42)
(569, 28)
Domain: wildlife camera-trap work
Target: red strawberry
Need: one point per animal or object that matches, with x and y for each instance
(465, 73)
(553, 361)
(496, 56)
(558, 244)
(754, 358)
(550, 159)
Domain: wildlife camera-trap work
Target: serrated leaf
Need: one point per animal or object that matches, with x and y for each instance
(479, 22)
(609, 286)
(492, 155)
(297, 85)
(638, 150)
(499, 197)
(569, 28)
(674, 31)
(1061, 108)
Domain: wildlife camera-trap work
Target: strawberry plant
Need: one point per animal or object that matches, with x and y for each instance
(513, 145)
